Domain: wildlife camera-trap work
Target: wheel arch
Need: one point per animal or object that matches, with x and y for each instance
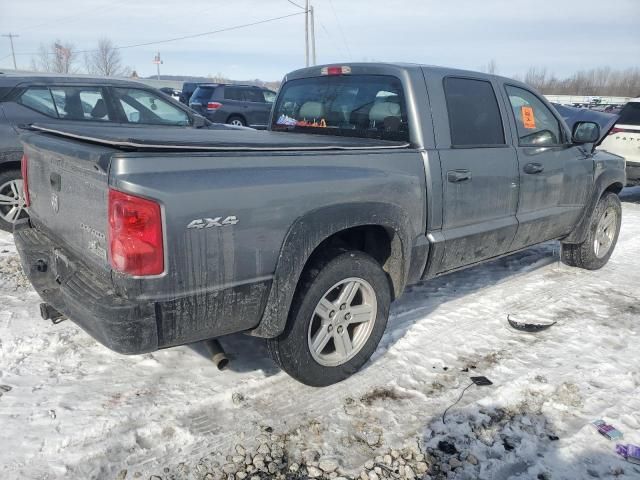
(363, 225)
(238, 115)
(608, 181)
(10, 160)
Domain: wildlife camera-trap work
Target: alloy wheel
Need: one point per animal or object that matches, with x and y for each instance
(342, 322)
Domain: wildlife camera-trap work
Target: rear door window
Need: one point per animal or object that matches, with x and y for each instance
(535, 123)
(80, 103)
(474, 115)
(370, 106)
(630, 114)
(234, 93)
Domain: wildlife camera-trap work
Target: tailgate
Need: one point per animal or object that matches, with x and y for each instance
(68, 187)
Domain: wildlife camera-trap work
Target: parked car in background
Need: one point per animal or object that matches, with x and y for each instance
(71, 100)
(187, 90)
(624, 139)
(172, 92)
(374, 177)
(241, 105)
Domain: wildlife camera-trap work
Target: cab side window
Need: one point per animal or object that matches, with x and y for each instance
(474, 115)
(535, 123)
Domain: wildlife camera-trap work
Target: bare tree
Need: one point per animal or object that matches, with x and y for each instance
(602, 81)
(491, 67)
(55, 57)
(105, 60)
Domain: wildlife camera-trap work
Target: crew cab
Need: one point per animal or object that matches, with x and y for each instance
(371, 177)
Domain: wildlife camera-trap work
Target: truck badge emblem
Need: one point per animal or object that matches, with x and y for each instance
(200, 223)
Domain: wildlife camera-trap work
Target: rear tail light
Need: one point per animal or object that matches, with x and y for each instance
(213, 105)
(135, 235)
(335, 70)
(24, 167)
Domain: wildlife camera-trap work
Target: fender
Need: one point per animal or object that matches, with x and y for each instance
(309, 231)
(605, 178)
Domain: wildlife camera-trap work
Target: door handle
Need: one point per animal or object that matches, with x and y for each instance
(533, 168)
(457, 176)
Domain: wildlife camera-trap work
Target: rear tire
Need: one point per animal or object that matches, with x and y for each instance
(12, 206)
(237, 121)
(602, 236)
(337, 318)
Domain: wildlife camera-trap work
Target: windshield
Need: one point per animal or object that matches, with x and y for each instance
(371, 106)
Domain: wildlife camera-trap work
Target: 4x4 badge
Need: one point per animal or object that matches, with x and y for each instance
(212, 222)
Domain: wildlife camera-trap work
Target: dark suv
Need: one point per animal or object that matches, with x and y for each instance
(187, 90)
(241, 105)
(70, 100)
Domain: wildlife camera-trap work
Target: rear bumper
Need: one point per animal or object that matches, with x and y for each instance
(87, 299)
(128, 326)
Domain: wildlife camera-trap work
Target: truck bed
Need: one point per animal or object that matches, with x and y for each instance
(151, 138)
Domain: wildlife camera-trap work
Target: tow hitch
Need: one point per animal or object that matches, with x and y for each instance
(47, 312)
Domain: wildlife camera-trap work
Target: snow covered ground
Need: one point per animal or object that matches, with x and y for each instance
(70, 408)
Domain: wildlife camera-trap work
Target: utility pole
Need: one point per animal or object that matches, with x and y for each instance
(158, 62)
(313, 38)
(306, 33)
(11, 36)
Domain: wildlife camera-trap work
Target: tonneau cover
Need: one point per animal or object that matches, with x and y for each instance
(154, 138)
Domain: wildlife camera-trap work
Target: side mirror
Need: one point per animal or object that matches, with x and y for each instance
(199, 122)
(586, 132)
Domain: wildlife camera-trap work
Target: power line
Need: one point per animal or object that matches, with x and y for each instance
(185, 37)
(344, 39)
(294, 3)
(11, 36)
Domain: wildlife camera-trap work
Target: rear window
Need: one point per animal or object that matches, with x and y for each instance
(474, 116)
(202, 95)
(630, 114)
(371, 106)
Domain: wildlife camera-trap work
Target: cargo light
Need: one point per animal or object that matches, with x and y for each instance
(335, 70)
(135, 235)
(24, 168)
(213, 105)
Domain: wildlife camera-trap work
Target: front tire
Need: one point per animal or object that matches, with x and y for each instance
(337, 318)
(602, 236)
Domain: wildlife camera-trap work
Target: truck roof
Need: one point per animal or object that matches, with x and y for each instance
(378, 68)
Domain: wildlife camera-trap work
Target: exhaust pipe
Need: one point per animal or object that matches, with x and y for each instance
(217, 354)
(47, 312)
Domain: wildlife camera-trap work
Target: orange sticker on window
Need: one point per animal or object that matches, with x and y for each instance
(528, 119)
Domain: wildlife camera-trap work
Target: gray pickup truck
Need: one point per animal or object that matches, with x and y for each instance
(371, 177)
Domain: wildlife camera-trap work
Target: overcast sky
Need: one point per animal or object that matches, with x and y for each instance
(561, 35)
